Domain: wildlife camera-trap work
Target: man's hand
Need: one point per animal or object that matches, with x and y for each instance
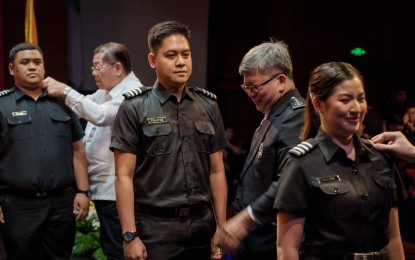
(81, 206)
(397, 144)
(230, 235)
(53, 87)
(135, 250)
(216, 252)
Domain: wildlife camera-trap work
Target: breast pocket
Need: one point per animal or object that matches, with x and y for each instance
(158, 139)
(204, 131)
(20, 127)
(61, 124)
(385, 188)
(336, 201)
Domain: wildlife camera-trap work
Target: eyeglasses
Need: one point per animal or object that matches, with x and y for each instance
(97, 69)
(255, 89)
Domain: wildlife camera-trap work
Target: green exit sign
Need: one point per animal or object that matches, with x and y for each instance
(358, 52)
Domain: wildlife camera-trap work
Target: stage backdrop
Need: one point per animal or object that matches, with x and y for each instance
(127, 22)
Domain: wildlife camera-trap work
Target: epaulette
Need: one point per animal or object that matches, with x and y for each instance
(136, 92)
(205, 92)
(6, 92)
(295, 103)
(304, 147)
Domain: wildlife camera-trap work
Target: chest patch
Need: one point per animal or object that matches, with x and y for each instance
(19, 113)
(156, 120)
(328, 179)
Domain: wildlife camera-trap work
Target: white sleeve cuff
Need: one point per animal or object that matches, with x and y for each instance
(251, 214)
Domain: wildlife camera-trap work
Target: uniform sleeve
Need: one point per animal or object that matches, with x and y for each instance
(77, 130)
(125, 135)
(218, 140)
(401, 193)
(293, 189)
(288, 137)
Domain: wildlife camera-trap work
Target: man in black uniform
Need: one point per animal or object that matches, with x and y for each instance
(168, 143)
(268, 81)
(43, 171)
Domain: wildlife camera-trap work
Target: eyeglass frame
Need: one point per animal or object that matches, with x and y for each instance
(97, 69)
(255, 89)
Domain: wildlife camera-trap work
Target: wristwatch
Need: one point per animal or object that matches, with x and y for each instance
(86, 192)
(66, 91)
(129, 236)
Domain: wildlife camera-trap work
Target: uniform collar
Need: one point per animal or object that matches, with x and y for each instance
(20, 94)
(164, 95)
(283, 102)
(329, 148)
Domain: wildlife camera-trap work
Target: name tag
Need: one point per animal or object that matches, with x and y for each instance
(19, 113)
(156, 120)
(327, 179)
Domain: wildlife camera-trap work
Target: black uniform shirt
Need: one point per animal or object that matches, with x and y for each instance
(346, 203)
(173, 142)
(36, 138)
(280, 130)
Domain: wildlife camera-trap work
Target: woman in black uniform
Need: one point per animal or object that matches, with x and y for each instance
(337, 195)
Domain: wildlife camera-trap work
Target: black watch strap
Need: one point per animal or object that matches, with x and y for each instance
(129, 236)
(86, 192)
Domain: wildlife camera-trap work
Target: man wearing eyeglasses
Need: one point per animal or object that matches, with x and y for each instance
(268, 81)
(113, 75)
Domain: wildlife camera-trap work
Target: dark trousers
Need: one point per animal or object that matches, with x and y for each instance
(260, 244)
(184, 238)
(110, 229)
(38, 228)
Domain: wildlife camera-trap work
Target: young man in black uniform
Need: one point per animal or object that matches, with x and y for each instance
(268, 81)
(43, 171)
(168, 142)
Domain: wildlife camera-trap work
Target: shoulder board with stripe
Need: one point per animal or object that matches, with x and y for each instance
(6, 92)
(204, 92)
(296, 103)
(304, 147)
(136, 92)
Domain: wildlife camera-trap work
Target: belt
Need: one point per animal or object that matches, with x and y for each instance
(184, 211)
(37, 194)
(378, 255)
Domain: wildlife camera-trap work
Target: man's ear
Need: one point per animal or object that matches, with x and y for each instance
(119, 67)
(11, 69)
(151, 60)
(282, 83)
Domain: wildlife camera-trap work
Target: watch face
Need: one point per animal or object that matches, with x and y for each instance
(129, 236)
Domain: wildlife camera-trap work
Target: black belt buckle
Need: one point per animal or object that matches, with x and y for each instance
(363, 256)
(183, 212)
(368, 256)
(41, 194)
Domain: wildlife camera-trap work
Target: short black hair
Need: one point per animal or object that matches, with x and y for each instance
(162, 30)
(22, 47)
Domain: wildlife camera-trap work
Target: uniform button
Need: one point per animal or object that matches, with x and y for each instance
(389, 185)
(364, 197)
(365, 226)
(354, 171)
